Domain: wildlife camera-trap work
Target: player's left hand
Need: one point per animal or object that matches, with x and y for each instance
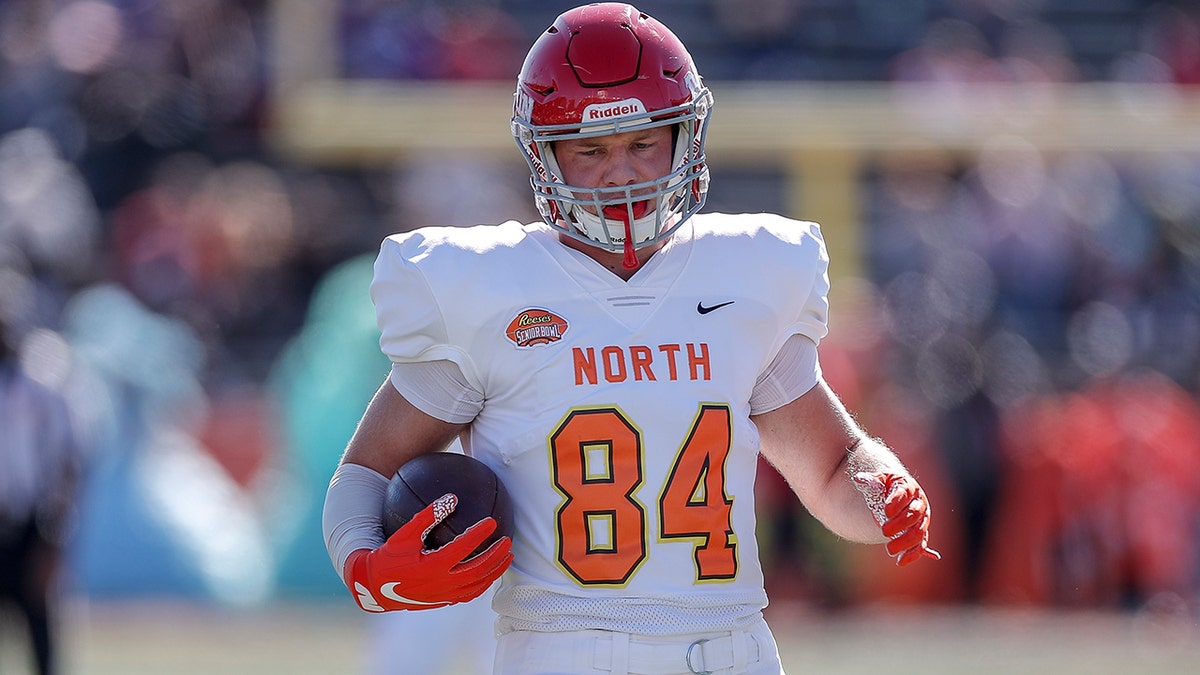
(902, 511)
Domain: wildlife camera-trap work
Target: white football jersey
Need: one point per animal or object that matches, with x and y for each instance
(616, 413)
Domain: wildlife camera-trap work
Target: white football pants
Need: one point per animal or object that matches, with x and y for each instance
(597, 652)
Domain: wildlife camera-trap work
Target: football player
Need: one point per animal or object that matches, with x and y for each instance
(620, 365)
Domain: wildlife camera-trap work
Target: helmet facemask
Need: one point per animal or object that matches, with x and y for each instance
(646, 212)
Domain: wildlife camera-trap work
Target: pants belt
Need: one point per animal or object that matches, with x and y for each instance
(620, 652)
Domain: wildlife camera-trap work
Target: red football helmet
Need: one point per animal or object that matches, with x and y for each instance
(604, 69)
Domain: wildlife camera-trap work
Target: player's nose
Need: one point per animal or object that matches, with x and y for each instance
(619, 169)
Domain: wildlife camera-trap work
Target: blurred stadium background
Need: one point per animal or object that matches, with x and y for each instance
(191, 194)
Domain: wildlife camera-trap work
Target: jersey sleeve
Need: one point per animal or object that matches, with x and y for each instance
(409, 310)
(794, 367)
(812, 315)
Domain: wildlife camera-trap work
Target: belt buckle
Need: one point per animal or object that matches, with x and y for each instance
(688, 657)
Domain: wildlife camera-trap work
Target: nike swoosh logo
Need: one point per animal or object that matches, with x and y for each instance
(368, 601)
(705, 310)
(389, 591)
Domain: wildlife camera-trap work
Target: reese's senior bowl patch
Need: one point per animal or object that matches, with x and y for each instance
(535, 326)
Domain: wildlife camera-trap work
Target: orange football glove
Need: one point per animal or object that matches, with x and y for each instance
(902, 511)
(402, 574)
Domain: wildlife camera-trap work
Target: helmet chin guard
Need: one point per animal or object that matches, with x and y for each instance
(606, 69)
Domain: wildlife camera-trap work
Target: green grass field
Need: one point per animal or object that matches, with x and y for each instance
(175, 639)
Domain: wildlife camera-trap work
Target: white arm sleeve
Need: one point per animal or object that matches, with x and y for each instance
(438, 389)
(791, 374)
(353, 515)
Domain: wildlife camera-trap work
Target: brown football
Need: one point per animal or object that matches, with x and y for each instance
(422, 480)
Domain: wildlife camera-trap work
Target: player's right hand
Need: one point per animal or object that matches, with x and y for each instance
(402, 574)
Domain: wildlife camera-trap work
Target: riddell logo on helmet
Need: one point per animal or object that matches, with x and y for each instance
(603, 111)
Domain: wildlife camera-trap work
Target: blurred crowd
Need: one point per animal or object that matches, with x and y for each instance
(1026, 330)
